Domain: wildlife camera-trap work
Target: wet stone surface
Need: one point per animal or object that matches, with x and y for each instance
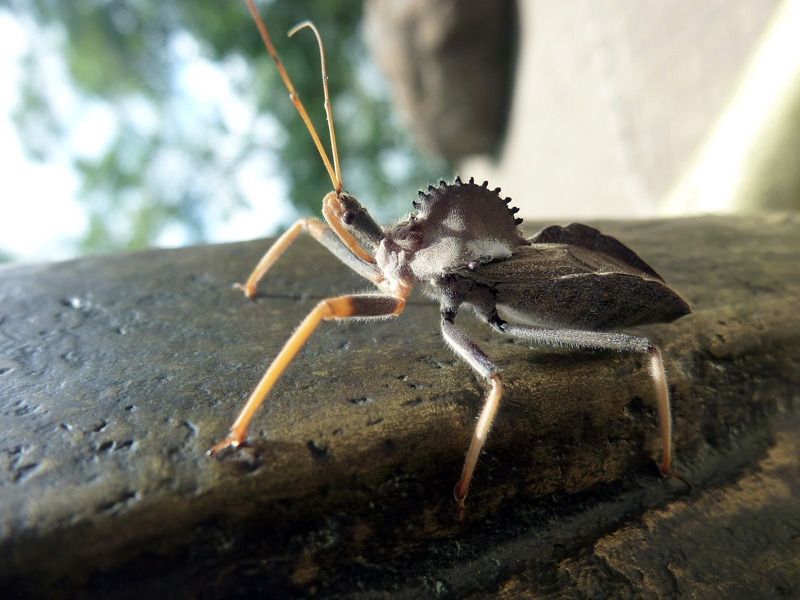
(117, 374)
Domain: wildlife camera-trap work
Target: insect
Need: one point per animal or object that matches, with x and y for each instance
(565, 286)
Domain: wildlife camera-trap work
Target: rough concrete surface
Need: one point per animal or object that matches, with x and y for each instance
(117, 373)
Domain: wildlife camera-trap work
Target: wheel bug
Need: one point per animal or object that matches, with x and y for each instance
(565, 286)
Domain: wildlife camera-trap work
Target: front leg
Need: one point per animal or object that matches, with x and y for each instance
(343, 307)
(324, 235)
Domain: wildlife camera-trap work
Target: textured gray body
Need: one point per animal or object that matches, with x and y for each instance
(464, 246)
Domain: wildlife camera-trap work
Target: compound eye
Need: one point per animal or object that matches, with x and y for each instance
(348, 217)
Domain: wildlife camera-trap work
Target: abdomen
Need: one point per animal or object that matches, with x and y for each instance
(591, 301)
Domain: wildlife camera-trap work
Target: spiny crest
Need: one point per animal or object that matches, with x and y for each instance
(462, 224)
(470, 203)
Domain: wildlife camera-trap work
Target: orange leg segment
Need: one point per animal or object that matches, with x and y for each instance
(313, 226)
(664, 414)
(366, 305)
(478, 438)
(324, 235)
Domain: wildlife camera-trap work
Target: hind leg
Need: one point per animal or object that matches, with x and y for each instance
(621, 342)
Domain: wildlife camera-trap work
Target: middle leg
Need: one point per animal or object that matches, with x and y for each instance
(460, 342)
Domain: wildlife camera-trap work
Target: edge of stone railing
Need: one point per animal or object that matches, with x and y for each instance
(118, 372)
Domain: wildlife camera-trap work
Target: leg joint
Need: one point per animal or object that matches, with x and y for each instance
(496, 322)
(448, 315)
(315, 227)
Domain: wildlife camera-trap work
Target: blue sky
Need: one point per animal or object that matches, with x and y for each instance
(41, 215)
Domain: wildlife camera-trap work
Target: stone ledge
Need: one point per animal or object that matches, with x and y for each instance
(118, 372)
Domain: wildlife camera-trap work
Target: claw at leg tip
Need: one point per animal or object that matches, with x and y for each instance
(680, 478)
(224, 444)
(249, 293)
(460, 496)
(666, 471)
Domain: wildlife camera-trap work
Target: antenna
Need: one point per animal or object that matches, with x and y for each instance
(333, 171)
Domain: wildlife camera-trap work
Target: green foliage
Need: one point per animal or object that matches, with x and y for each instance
(182, 172)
